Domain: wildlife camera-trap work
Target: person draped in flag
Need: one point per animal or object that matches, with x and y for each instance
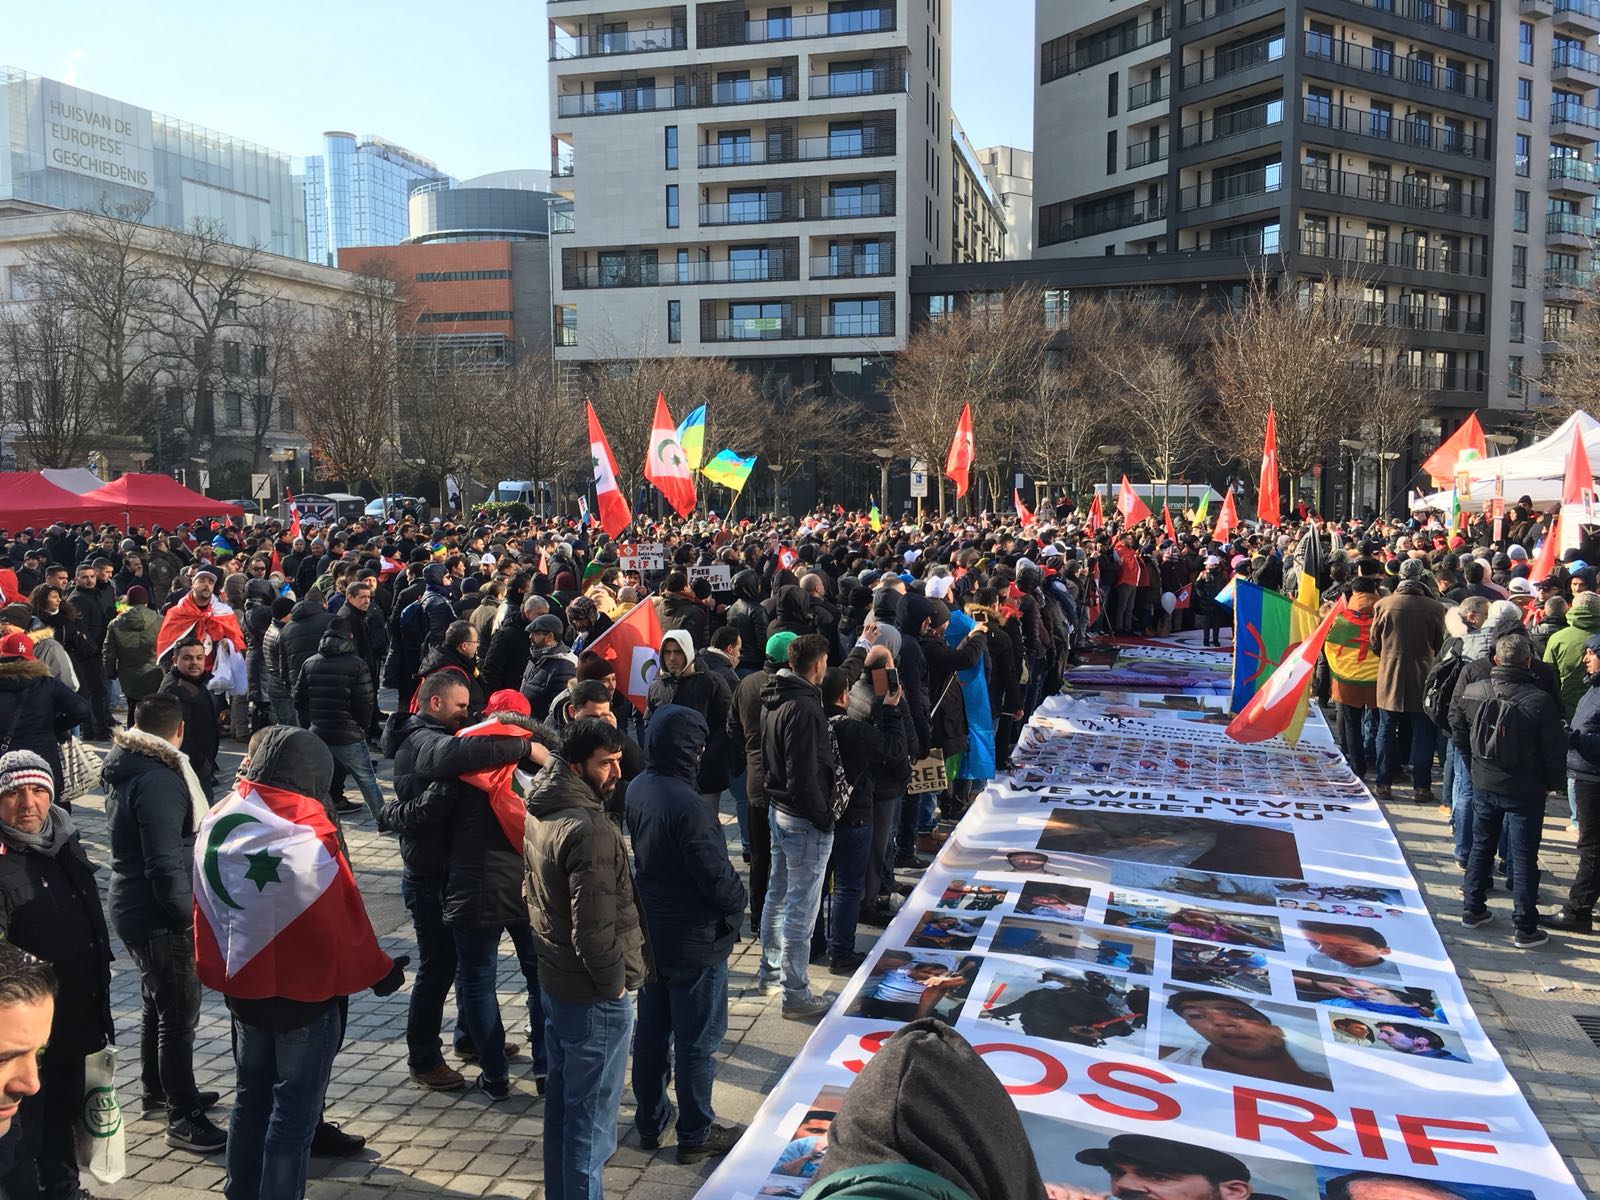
(281, 932)
(203, 615)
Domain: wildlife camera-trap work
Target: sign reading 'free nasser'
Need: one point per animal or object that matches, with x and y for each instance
(93, 135)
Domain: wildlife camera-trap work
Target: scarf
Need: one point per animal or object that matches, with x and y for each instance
(56, 832)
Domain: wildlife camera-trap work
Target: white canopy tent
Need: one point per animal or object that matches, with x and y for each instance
(1535, 471)
(78, 480)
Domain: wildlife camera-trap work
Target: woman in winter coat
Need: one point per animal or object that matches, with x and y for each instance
(36, 710)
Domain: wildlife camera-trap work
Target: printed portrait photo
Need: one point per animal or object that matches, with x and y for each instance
(1261, 1039)
(945, 931)
(1336, 1184)
(1198, 885)
(1347, 949)
(973, 897)
(807, 1142)
(1232, 968)
(1370, 996)
(1076, 1005)
(1227, 848)
(1153, 914)
(1053, 902)
(904, 985)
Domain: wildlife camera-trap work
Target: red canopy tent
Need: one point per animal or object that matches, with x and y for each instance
(28, 499)
(156, 500)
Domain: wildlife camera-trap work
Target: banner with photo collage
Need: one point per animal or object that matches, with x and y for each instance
(1149, 930)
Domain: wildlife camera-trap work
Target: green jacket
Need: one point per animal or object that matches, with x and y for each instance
(129, 653)
(1564, 652)
(885, 1181)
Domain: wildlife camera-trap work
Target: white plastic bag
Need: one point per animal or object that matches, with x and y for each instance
(230, 674)
(97, 1132)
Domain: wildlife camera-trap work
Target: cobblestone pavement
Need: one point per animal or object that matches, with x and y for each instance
(428, 1145)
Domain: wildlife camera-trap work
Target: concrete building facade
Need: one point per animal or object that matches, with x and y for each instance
(1010, 173)
(977, 218)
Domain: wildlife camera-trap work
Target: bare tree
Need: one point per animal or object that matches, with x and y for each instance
(535, 430)
(274, 332)
(47, 381)
(443, 402)
(345, 387)
(1066, 421)
(1570, 379)
(928, 383)
(799, 427)
(1295, 351)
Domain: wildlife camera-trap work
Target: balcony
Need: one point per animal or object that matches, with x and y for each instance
(1150, 91)
(874, 81)
(854, 266)
(735, 30)
(636, 271)
(1105, 220)
(1386, 127)
(1568, 279)
(1382, 252)
(1231, 62)
(797, 327)
(1401, 193)
(1570, 119)
(1424, 319)
(637, 99)
(1574, 175)
(1580, 15)
(1095, 48)
(1569, 229)
(1438, 15)
(1536, 9)
(1389, 65)
(1195, 11)
(561, 217)
(1151, 150)
(776, 208)
(634, 41)
(865, 144)
(1575, 66)
(561, 166)
(1220, 128)
(1439, 379)
(1234, 187)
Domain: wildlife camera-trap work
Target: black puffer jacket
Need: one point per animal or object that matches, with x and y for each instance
(333, 695)
(791, 612)
(869, 750)
(546, 676)
(42, 708)
(722, 759)
(744, 730)
(680, 612)
(446, 658)
(257, 620)
(795, 752)
(507, 656)
(580, 892)
(150, 814)
(948, 717)
(301, 637)
(1541, 766)
(750, 619)
(200, 737)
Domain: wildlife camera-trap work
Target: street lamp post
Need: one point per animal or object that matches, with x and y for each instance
(884, 455)
(1353, 448)
(1386, 457)
(1110, 451)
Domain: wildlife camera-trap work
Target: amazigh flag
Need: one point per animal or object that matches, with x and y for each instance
(505, 785)
(665, 464)
(1349, 649)
(631, 646)
(728, 469)
(276, 910)
(1201, 508)
(1279, 705)
(875, 519)
(1261, 638)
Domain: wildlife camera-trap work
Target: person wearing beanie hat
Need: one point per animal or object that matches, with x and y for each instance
(129, 653)
(50, 907)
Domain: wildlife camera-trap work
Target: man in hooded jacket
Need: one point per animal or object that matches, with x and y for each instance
(749, 619)
(692, 900)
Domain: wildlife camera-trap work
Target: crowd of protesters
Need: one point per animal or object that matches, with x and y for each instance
(809, 670)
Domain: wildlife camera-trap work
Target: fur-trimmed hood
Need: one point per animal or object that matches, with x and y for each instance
(23, 669)
(132, 742)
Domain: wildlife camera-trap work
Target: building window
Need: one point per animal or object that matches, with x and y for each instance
(286, 417)
(672, 147)
(1111, 152)
(672, 206)
(1111, 94)
(674, 321)
(1057, 304)
(232, 410)
(1525, 43)
(1519, 319)
(1519, 212)
(450, 318)
(1515, 383)
(941, 305)
(1519, 266)
(1524, 99)
(1524, 153)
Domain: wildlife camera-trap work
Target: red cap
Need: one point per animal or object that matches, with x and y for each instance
(16, 645)
(505, 700)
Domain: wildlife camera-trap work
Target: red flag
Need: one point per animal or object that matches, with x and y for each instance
(787, 557)
(665, 464)
(1544, 565)
(1172, 533)
(1227, 519)
(1441, 464)
(294, 516)
(212, 624)
(276, 909)
(500, 783)
(1279, 705)
(614, 511)
(958, 463)
(631, 646)
(1096, 515)
(1268, 505)
(1132, 508)
(1578, 485)
(1024, 514)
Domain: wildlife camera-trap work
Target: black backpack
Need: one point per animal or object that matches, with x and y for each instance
(1502, 733)
(1440, 686)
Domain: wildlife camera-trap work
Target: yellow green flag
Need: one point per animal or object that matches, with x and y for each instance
(728, 469)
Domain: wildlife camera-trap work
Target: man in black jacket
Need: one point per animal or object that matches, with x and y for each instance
(680, 610)
(189, 682)
(692, 900)
(749, 620)
(798, 764)
(96, 604)
(154, 807)
(551, 666)
(333, 698)
(1518, 741)
(507, 656)
(301, 635)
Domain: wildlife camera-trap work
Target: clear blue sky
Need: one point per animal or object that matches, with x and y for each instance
(463, 84)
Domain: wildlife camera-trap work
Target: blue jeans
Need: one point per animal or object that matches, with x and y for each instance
(683, 1015)
(587, 1046)
(477, 970)
(1420, 730)
(1460, 803)
(794, 893)
(1523, 823)
(281, 1079)
(851, 846)
(357, 762)
(436, 973)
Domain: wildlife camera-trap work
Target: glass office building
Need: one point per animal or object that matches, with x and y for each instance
(357, 192)
(69, 148)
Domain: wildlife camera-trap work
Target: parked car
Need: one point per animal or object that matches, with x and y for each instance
(394, 504)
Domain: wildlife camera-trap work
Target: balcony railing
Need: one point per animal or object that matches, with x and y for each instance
(1123, 216)
(566, 335)
(1441, 16)
(875, 81)
(1587, 9)
(1438, 379)
(561, 167)
(1151, 150)
(1233, 187)
(1195, 11)
(1232, 61)
(644, 272)
(864, 144)
(1575, 169)
(1382, 252)
(562, 218)
(1422, 319)
(687, 95)
(853, 266)
(1386, 127)
(1231, 124)
(1421, 71)
(796, 328)
(1573, 224)
(1401, 193)
(1095, 49)
(798, 208)
(1569, 112)
(1575, 58)
(741, 32)
(1568, 277)
(1149, 91)
(632, 41)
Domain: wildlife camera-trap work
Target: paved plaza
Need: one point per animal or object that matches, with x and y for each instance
(422, 1144)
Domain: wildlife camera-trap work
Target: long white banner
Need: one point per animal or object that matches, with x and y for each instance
(1148, 929)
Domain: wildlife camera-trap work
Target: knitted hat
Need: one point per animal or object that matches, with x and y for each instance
(21, 767)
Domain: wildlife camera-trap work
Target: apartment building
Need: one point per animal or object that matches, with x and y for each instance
(357, 193)
(977, 218)
(1436, 156)
(1010, 172)
(747, 180)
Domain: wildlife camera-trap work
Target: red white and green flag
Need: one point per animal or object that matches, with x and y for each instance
(631, 646)
(506, 785)
(665, 464)
(276, 908)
